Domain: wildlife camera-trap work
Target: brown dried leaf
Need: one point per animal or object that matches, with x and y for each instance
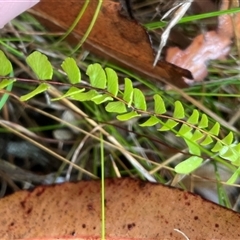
(134, 210)
(211, 45)
(205, 47)
(113, 37)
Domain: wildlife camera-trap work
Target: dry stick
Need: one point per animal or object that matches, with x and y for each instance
(120, 148)
(45, 149)
(54, 92)
(76, 153)
(19, 174)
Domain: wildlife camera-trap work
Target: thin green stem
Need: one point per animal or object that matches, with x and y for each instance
(79, 16)
(102, 188)
(14, 51)
(155, 25)
(85, 36)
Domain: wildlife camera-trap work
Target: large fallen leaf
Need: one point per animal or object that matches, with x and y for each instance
(113, 37)
(134, 210)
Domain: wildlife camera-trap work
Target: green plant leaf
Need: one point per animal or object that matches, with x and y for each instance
(188, 165)
(236, 151)
(194, 118)
(116, 107)
(178, 110)
(71, 91)
(207, 141)
(236, 162)
(5, 65)
(215, 129)
(197, 135)
(150, 122)
(193, 146)
(41, 88)
(5, 82)
(85, 96)
(228, 139)
(203, 122)
(40, 65)
(139, 99)
(70, 67)
(228, 153)
(112, 79)
(231, 153)
(97, 76)
(128, 116)
(184, 130)
(128, 92)
(234, 177)
(217, 147)
(159, 105)
(168, 125)
(237, 148)
(101, 98)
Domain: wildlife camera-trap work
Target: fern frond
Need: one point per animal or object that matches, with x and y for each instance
(130, 103)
